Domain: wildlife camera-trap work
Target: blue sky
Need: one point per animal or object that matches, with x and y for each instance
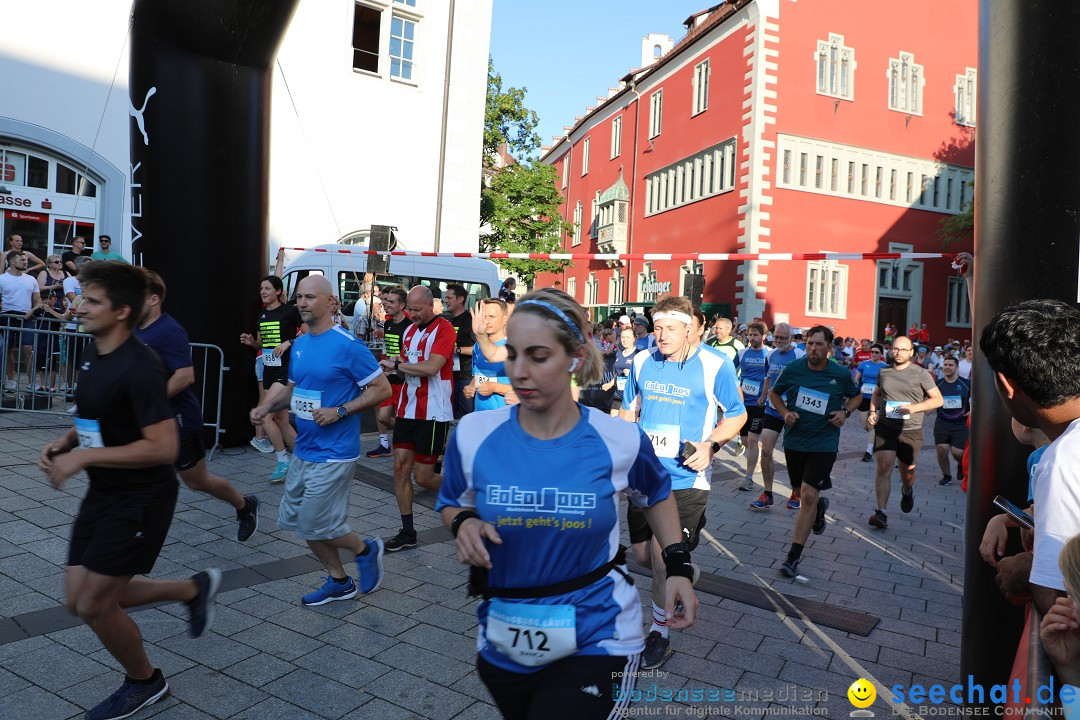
(568, 52)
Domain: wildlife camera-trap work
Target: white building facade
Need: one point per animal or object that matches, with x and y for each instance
(377, 118)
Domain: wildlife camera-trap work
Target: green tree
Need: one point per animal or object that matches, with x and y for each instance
(507, 121)
(519, 201)
(524, 217)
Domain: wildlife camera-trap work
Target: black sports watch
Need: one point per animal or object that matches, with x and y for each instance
(342, 411)
(847, 413)
(715, 447)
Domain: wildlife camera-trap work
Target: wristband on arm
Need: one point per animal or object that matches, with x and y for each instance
(461, 517)
(677, 561)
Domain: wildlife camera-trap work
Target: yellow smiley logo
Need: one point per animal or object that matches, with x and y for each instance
(861, 693)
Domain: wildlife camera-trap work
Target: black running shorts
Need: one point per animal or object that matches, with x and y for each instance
(119, 534)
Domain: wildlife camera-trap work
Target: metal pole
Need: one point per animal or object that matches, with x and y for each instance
(1027, 219)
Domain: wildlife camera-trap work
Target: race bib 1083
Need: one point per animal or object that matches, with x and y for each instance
(305, 402)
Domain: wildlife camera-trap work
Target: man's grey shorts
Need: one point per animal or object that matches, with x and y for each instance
(315, 504)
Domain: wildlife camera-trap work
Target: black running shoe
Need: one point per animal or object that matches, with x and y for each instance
(404, 539)
(907, 501)
(790, 568)
(819, 519)
(130, 698)
(867, 457)
(248, 518)
(201, 609)
(879, 520)
(945, 480)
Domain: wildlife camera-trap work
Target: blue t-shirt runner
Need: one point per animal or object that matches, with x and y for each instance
(868, 371)
(555, 506)
(774, 365)
(328, 369)
(752, 371)
(169, 340)
(483, 371)
(680, 400)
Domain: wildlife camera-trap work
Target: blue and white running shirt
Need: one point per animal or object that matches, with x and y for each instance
(678, 401)
(774, 365)
(555, 505)
(328, 369)
(752, 372)
(484, 370)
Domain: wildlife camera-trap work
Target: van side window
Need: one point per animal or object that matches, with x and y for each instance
(292, 280)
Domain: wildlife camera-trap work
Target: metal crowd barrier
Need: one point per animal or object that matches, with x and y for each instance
(44, 379)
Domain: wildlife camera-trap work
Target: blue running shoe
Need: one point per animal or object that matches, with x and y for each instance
(331, 591)
(280, 471)
(764, 502)
(130, 698)
(794, 502)
(370, 566)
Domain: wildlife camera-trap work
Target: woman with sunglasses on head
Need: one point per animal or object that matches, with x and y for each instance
(531, 494)
(866, 375)
(51, 279)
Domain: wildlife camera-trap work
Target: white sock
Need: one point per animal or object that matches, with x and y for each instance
(659, 621)
(283, 456)
(870, 448)
(384, 440)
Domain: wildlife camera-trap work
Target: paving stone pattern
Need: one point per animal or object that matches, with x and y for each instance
(408, 650)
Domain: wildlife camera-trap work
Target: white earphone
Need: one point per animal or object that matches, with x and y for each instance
(573, 365)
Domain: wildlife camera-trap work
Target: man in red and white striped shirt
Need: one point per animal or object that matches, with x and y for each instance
(424, 408)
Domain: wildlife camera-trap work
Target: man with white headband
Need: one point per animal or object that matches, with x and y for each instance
(676, 391)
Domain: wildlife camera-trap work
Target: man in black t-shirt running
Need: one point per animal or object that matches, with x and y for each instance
(127, 440)
(456, 299)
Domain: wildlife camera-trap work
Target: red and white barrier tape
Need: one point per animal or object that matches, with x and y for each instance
(739, 257)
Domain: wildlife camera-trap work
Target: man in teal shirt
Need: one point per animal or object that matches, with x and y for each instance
(815, 397)
(106, 253)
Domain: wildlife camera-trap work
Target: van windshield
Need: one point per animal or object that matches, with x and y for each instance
(351, 284)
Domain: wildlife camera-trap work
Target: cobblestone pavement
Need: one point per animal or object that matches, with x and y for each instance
(408, 650)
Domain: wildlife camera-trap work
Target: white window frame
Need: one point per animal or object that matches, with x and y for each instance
(415, 42)
(831, 300)
(910, 190)
(616, 136)
(566, 170)
(957, 308)
(616, 288)
(594, 219)
(834, 68)
(966, 93)
(700, 176)
(647, 274)
(571, 287)
(700, 87)
(592, 290)
(577, 225)
(906, 82)
(585, 156)
(384, 34)
(656, 113)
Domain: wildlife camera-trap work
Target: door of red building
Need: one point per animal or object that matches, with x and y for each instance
(891, 310)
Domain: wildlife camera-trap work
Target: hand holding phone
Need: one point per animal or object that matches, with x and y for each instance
(1025, 520)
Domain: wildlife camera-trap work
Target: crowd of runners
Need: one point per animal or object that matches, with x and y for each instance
(527, 420)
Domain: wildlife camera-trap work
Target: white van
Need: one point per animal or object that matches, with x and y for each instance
(345, 266)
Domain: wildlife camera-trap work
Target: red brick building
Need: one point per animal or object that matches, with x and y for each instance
(784, 126)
